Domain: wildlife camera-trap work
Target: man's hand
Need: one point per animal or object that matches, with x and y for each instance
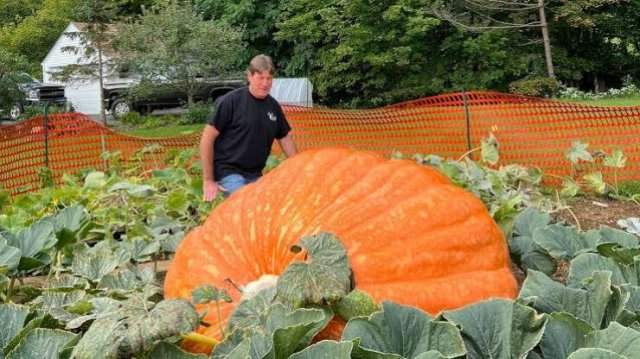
(210, 189)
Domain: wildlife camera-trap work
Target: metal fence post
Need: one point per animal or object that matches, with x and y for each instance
(46, 134)
(467, 118)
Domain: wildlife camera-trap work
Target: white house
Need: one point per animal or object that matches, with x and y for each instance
(84, 94)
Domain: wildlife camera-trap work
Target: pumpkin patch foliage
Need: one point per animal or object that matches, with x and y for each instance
(334, 257)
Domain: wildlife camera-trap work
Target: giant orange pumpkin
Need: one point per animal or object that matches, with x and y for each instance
(411, 236)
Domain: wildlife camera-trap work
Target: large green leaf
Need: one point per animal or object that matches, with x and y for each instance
(326, 349)
(498, 328)
(126, 335)
(583, 266)
(94, 263)
(548, 296)
(95, 180)
(617, 159)
(326, 277)
(563, 242)
(164, 350)
(595, 182)
(563, 334)
(13, 318)
(595, 353)
(617, 338)
(40, 321)
(42, 343)
(619, 254)
(39, 237)
(134, 190)
(251, 311)
(578, 152)
(613, 235)
(526, 251)
(404, 331)
(9, 256)
(279, 333)
(68, 223)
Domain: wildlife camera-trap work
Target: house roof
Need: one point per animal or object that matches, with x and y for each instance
(74, 26)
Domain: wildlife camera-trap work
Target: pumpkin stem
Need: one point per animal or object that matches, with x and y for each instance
(200, 339)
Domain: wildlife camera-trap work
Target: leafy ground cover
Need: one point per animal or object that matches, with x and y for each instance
(578, 299)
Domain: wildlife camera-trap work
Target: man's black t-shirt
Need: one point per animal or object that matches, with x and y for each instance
(247, 127)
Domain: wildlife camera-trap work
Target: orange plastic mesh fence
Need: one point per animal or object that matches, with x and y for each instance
(68, 143)
(531, 131)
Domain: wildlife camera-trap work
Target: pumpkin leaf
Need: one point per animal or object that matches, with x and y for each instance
(578, 152)
(250, 312)
(595, 182)
(570, 188)
(13, 317)
(489, 150)
(125, 335)
(279, 333)
(612, 235)
(617, 159)
(206, 293)
(325, 349)
(583, 266)
(563, 242)
(164, 350)
(134, 190)
(326, 277)
(595, 353)
(549, 296)
(95, 180)
(42, 343)
(616, 338)
(563, 334)
(39, 237)
(9, 256)
(526, 251)
(498, 328)
(95, 263)
(631, 225)
(618, 253)
(405, 331)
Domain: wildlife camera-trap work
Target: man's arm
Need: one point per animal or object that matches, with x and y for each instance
(288, 146)
(209, 186)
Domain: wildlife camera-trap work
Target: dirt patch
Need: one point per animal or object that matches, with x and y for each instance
(592, 212)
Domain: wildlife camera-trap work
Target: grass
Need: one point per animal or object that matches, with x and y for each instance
(165, 131)
(625, 101)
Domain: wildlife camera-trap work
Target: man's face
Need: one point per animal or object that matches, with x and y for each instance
(260, 83)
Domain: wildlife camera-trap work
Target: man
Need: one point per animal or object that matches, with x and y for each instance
(237, 138)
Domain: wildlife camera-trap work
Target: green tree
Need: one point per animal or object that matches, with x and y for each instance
(11, 65)
(173, 45)
(362, 53)
(597, 42)
(35, 34)
(94, 38)
(255, 18)
(12, 12)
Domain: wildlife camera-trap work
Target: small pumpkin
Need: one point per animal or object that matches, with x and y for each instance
(411, 235)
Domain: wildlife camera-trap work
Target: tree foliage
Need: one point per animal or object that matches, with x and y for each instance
(11, 65)
(173, 45)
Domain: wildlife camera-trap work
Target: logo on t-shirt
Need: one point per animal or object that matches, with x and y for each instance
(271, 116)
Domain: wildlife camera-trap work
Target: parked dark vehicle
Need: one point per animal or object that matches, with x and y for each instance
(119, 101)
(36, 93)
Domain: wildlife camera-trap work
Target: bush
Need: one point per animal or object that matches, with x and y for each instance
(535, 86)
(196, 113)
(132, 118)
